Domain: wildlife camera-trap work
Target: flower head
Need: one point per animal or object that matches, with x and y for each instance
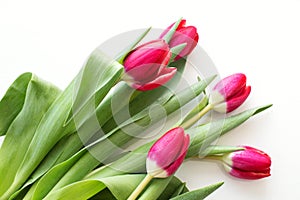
(250, 163)
(167, 154)
(183, 34)
(146, 66)
(230, 93)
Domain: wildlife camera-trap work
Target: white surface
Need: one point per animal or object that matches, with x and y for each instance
(259, 38)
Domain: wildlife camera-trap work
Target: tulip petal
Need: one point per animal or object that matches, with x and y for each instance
(231, 85)
(174, 166)
(166, 155)
(247, 175)
(152, 52)
(166, 149)
(144, 73)
(235, 102)
(183, 35)
(249, 163)
(251, 159)
(167, 74)
(186, 35)
(145, 67)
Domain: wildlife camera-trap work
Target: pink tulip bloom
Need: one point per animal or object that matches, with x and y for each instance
(183, 34)
(250, 163)
(146, 66)
(167, 154)
(230, 93)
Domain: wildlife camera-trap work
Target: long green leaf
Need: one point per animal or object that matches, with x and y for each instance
(118, 187)
(204, 135)
(199, 194)
(57, 171)
(39, 96)
(123, 54)
(78, 191)
(174, 189)
(13, 101)
(163, 188)
(98, 68)
(220, 150)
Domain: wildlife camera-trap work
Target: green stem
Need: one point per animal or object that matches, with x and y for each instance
(215, 157)
(196, 117)
(140, 187)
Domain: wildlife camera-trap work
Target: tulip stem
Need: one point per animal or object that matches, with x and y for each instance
(140, 187)
(214, 157)
(196, 117)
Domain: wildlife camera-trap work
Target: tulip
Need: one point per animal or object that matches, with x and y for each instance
(164, 157)
(146, 66)
(250, 163)
(183, 34)
(226, 96)
(229, 93)
(167, 154)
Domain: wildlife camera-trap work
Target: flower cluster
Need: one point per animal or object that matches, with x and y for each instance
(53, 149)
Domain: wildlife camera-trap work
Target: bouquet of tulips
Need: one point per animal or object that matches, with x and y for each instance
(73, 143)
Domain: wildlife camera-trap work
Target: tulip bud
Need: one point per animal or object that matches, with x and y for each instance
(167, 154)
(230, 93)
(250, 163)
(183, 34)
(146, 66)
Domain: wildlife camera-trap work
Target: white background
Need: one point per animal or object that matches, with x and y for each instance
(259, 38)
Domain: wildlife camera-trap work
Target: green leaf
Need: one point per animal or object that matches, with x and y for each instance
(163, 188)
(171, 32)
(197, 109)
(69, 145)
(13, 101)
(176, 50)
(219, 150)
(199, 194)
(77, 191)
(38, 190)
(103, 195)
(98, 68)
(181, 189)
(155, 188)
(39, 96)
(124, 53)
(118, 187)
(202, 136)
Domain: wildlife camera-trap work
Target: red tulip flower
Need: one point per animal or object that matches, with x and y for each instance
(250, 163)
(164, 157)
(230, 93)
(146, 66)
(167, 154)
(183, 34)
